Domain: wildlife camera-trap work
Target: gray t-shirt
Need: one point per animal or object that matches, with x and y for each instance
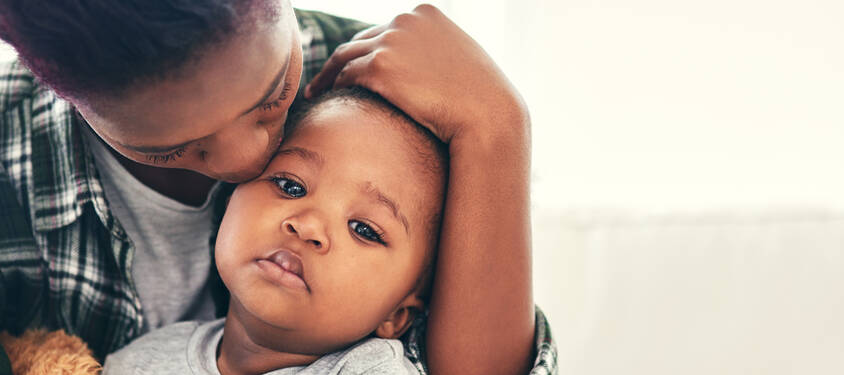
(191, 348)
(171, 262)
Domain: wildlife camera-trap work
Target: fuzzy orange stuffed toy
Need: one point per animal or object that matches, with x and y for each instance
(38, 352)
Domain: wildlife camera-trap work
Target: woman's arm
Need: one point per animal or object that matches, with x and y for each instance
(482, 309)
(481, 314)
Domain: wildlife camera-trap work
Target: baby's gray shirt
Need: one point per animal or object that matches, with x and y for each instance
(191, 348)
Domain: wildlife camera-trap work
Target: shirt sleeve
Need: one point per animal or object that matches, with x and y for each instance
(389, 368)
(321, 33)
(334, 30)
(21, 264)
(160, 352)
(372, 356)
(545, 362)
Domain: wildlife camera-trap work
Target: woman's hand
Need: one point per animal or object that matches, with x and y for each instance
(431, 69)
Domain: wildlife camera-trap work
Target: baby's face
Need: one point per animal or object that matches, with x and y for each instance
(331, 238)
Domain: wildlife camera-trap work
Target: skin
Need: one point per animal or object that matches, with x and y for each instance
(481, 314)
(424, 64)
(358, 282)
(205, 111)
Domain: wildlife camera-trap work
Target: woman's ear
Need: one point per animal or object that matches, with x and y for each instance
(395, 324)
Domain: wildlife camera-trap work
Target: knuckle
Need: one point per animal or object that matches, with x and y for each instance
(331, 60)
(363, 32)
(403, 20)
(426, 9)
(340, 50)
(379, 61)
(336, 59)
(389, 37)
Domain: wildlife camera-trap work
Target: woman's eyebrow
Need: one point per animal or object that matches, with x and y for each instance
(269, 91)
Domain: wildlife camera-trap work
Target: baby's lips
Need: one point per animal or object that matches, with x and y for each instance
(289, 262)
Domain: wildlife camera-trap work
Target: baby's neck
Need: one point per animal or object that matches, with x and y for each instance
(238, 354)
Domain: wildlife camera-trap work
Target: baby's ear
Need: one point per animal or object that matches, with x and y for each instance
(395, 324)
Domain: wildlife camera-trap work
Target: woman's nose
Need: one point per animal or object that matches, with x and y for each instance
(236, 152)
(308, 229)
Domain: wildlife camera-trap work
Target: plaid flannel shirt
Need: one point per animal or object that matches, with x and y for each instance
(64, 259)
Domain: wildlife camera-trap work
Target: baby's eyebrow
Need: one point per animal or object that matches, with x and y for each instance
(370, 189)
(305, 154)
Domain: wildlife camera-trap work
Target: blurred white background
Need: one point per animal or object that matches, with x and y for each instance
(688, 199)
(660, 104)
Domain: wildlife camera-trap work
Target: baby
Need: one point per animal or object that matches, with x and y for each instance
(328, 255)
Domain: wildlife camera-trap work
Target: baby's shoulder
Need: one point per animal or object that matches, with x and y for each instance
(162, 351)
(164, 339)
(374, 356)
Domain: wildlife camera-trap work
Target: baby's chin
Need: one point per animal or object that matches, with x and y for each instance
(285, 334)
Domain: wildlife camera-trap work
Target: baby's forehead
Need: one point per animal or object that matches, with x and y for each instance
(367, 142)
(380, 120)
(358, 111)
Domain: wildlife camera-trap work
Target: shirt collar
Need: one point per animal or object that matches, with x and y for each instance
(64, 174)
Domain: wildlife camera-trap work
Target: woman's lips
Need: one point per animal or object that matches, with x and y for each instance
(285, 269)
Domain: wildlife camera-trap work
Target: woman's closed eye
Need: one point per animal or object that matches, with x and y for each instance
(285, 91)
(289, 187)
(164, 158)
(366, 232)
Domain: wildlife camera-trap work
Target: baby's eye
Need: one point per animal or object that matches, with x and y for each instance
(366, 232)
(289, 187)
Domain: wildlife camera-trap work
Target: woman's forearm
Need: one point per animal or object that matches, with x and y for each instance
(482, 318)
(482, 313)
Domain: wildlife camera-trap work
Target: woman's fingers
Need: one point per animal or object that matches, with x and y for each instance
(370, 32)
(426, 65)
(356, 72)
(342, 55)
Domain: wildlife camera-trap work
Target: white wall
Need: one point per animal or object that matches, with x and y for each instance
(6, 52)
(660, 104)
(717, 293)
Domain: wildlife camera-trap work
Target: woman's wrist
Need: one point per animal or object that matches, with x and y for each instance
(503, 135)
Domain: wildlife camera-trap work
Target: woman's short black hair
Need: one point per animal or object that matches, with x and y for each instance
(84, 47)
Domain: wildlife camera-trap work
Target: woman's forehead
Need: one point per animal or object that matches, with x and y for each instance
(213, 92)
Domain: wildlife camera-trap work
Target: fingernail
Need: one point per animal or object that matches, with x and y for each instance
(308, 91)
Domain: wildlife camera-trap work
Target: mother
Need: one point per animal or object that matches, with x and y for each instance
(121, 117)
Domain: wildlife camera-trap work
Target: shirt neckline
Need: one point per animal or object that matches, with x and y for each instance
(108, 163)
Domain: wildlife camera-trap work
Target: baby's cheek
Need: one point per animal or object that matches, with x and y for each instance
(349, 321)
